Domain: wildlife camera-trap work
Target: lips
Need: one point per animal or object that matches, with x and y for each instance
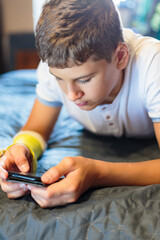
(81, 104)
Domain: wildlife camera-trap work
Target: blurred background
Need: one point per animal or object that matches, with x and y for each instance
(18, 20)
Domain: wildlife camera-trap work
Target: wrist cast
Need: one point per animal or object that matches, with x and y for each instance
(34, 141)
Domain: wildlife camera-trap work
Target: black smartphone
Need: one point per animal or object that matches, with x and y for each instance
(26, 178)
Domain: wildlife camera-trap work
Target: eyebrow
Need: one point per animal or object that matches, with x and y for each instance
(81, 77)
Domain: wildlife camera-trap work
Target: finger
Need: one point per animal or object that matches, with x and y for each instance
(3, 173)
(37, 193)
(22, 162)
(7, 165)
(57, 189)
(17, 194)
(54, 195)
(18, 156)
(3, 160)
(58, 201)
(41, 193)
(54, 173)
(41, 196)
(10, 187)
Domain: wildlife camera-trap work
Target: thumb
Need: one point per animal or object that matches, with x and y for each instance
(54, 173)
(17, 157)
(24, 166)
(22, 162)
(20, 156)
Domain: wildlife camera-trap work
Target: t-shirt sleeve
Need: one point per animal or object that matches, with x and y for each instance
(47, 89)
(152, 89)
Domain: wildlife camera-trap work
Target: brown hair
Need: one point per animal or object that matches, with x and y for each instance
(70, 31)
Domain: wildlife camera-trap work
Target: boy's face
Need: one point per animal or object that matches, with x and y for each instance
(91, 84)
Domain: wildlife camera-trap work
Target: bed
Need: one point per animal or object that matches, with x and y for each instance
(113, 213)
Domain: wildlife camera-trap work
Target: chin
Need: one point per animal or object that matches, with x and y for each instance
(88, 107)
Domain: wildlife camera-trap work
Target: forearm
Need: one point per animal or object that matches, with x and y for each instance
(42, 119)
(116, 174)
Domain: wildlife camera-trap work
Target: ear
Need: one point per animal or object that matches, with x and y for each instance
(121, 56)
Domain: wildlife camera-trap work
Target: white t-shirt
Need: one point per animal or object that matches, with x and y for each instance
(136, 106)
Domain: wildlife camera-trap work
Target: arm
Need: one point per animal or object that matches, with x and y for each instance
(139, 173)
(42, 119)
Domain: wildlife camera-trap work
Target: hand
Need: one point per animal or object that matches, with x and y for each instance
(16, 158)
(79, 177)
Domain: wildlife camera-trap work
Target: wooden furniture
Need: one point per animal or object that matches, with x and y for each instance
(26, 59)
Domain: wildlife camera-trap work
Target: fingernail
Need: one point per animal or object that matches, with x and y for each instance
(23, 168)
(23, 186)
(46, 179)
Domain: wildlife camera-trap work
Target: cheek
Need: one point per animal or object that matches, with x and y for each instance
(101, 85)
(97, 90)
(103, 88)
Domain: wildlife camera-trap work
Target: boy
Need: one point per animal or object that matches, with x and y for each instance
(107, 79)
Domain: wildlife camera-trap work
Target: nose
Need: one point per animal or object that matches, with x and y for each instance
(74, 94)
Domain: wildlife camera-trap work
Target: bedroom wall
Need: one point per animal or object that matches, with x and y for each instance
(18, 34)
(17, 16)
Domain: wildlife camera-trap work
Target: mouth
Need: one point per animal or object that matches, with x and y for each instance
(82, 104)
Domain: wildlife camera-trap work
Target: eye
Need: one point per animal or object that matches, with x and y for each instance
(84, 82)
(58, 79)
